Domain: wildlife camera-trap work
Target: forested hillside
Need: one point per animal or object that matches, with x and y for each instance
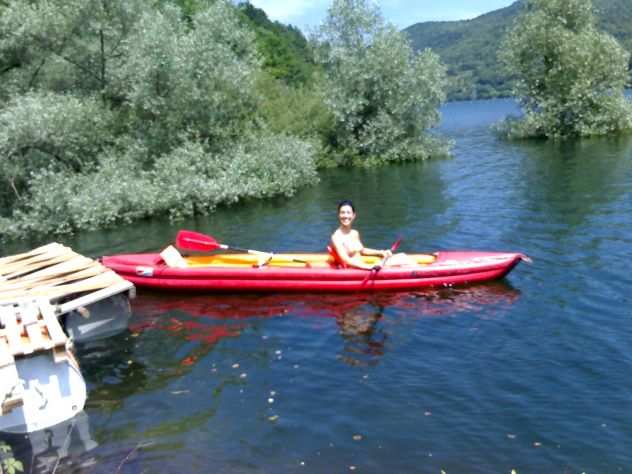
(469, 48)
(285, 51)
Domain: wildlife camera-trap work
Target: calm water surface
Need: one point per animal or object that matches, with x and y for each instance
(531, 373)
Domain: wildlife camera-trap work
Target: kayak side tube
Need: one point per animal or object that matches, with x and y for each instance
(450, 268)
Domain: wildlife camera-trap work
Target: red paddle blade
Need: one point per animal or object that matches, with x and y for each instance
(395, 246)
(189, 240)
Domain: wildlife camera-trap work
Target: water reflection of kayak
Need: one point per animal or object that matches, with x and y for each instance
(211, 317)
(308, 272)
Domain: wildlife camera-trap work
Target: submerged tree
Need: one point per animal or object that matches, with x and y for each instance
(570, 76)
(384, 97)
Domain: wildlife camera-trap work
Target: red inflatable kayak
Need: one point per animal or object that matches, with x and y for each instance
(308, 272)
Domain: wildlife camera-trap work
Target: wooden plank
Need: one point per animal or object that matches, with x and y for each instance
(39, 264)
(23, 284)
(86, 300)
(93, 270)
(60, 354)
(31, 323)
(13, 332)
(11, 390)
(98, 282)
(6, 357)
(55, 332)
(38, 341)
(38, 251)
(13, 266)
(77, 263)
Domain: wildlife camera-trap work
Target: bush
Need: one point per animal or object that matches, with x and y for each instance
(47, 130)
(184, 182)
(299, 111)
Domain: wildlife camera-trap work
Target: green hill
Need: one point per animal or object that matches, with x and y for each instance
(469, 47)
(285, 52)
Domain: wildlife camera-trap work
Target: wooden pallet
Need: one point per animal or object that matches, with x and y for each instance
(25, 329)
(35, 288)
(57, 273)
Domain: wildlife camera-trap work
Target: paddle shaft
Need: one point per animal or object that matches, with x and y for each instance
(237, 249)
(378, 267)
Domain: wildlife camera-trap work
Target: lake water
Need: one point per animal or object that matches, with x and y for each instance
(530, 373)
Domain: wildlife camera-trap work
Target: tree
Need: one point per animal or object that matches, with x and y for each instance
(570, 76)
(113, 110)
(384, 96)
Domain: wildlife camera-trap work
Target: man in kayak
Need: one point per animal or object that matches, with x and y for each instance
(346, 246)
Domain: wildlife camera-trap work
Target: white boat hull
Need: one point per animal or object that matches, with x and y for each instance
(52, 392)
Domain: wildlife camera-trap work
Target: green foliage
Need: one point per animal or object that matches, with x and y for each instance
(71, 46)
(285, 51)
(121, 110)
(189, 180)
(470, 47)
(199, 80)
(112, 111)
(8, 464)
(300, 111)
(382, 95)
(570, 76)
(51, 130)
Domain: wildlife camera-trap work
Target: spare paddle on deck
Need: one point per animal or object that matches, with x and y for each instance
(187, 239)
(190, 240)
(379, 266)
